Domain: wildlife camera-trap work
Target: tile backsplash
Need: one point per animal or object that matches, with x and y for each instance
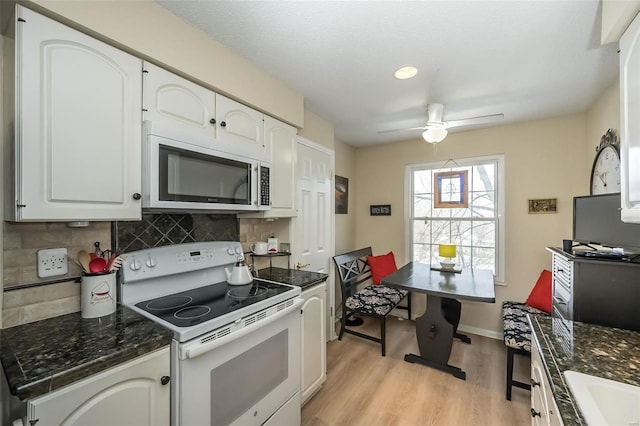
(28, 298)
(163, 229)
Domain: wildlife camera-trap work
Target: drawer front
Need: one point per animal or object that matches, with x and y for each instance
(562, 272)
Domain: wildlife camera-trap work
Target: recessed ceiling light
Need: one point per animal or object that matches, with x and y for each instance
(406, 73)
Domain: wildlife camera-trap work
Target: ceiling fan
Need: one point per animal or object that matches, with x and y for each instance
(436, 130)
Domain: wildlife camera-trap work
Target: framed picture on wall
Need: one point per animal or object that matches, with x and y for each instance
(342, 195)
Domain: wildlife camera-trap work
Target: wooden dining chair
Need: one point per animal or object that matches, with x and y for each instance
(372, 300)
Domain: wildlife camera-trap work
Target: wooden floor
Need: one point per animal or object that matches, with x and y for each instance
(364, 388)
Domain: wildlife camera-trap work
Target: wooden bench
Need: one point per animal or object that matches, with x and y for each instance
(517, 337)
(372, 300)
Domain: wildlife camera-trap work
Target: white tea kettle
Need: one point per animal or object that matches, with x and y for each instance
(239, 275)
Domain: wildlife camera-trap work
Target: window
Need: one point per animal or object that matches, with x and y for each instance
(475, 226)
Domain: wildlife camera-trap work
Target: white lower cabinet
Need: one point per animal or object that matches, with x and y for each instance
(544, 410)
(314, 342)
(133, 393)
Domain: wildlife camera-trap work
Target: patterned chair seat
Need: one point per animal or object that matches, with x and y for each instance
(517, 337)
(375, 299)
(517, 333)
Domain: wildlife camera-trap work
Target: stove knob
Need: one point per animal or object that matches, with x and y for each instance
(230, 251)
(151, 262)
(135, 265)
(238, 250)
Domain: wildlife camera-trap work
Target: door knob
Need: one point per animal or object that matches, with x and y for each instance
(300, 265)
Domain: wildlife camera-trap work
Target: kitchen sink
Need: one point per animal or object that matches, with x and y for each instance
(603, 401)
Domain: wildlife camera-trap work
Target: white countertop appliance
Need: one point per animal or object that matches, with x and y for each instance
(235, 355)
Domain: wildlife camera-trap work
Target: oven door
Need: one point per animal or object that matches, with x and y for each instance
(242, 376)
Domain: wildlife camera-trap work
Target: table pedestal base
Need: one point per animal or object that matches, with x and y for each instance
(455, 371)
(435, 330)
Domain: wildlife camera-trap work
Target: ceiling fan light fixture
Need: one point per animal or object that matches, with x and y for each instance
(434, 134)
(406, 73)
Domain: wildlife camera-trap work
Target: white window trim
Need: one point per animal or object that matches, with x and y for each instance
(499, 277)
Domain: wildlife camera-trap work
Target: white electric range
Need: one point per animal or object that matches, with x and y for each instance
(235, 355)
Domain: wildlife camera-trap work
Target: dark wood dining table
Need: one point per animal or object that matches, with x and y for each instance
(438, 325)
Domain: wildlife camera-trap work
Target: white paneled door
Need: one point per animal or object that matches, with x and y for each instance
(312, 228)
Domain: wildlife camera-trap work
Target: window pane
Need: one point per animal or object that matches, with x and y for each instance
(421, 232)
(460, 233)
(422, 253)
(422, 182)
(464, 257)
(483, 258)
(422, 205)
(483, 204)
(483, 177)
(440, 231)
(483, 234)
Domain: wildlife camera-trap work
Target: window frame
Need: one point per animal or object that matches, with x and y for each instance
(499, 161)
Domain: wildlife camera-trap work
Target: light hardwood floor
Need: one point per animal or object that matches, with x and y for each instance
(364, 388)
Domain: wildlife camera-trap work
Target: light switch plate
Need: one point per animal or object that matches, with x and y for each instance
(52, 262)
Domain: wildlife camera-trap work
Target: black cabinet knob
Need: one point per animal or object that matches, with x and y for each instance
(223, 124)
(212, 121)
(534, 383)
(136, 196)
(535, 413)
(165, 380)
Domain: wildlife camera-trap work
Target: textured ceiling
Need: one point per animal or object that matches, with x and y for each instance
(526, 59)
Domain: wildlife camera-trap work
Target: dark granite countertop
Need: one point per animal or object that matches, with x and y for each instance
(611, 353)
(302, 279)
(49, 354)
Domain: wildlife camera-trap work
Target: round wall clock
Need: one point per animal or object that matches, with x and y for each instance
(605, 173)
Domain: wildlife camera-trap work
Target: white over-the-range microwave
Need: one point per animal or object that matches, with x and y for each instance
(181, 176)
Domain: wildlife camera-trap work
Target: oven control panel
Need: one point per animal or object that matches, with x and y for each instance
(179, 258)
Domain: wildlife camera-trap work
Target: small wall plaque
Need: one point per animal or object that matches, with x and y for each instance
(380, 210)
(543, 205)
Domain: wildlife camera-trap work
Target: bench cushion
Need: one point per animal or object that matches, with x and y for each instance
(517, 333)
(375, 299)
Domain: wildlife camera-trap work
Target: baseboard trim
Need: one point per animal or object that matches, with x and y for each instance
(480, 332)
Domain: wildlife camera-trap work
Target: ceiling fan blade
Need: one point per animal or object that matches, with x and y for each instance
(474, 120)
(403, 130)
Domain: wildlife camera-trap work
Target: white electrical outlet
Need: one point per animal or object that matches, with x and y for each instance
(52, 262)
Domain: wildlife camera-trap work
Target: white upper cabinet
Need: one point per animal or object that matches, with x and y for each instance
(177, 108)
(76, 124)
(630, 124)
(282, 138)
(241, 129)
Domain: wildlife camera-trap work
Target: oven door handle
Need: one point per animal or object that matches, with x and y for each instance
(192, 350)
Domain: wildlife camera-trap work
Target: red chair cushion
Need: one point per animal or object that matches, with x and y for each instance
(381, 266)
(540, 296)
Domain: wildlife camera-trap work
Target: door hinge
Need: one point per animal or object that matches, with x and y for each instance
(331, 312)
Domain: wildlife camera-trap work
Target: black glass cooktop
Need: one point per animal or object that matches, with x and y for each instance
(192, 307)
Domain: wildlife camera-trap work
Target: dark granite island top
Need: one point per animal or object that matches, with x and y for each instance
(302, 279)
(46, 355)
(611, 353)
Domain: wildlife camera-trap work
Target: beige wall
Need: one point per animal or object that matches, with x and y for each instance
(149, 31)
(345, 229)
(317, 129)
(604, 114)
(543, 159)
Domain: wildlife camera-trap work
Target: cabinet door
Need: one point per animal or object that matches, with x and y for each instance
(78, 125)
(314, 350)
(539, 409)
(241, 129)
(176, 108)
(130, 394)
(630, 125)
